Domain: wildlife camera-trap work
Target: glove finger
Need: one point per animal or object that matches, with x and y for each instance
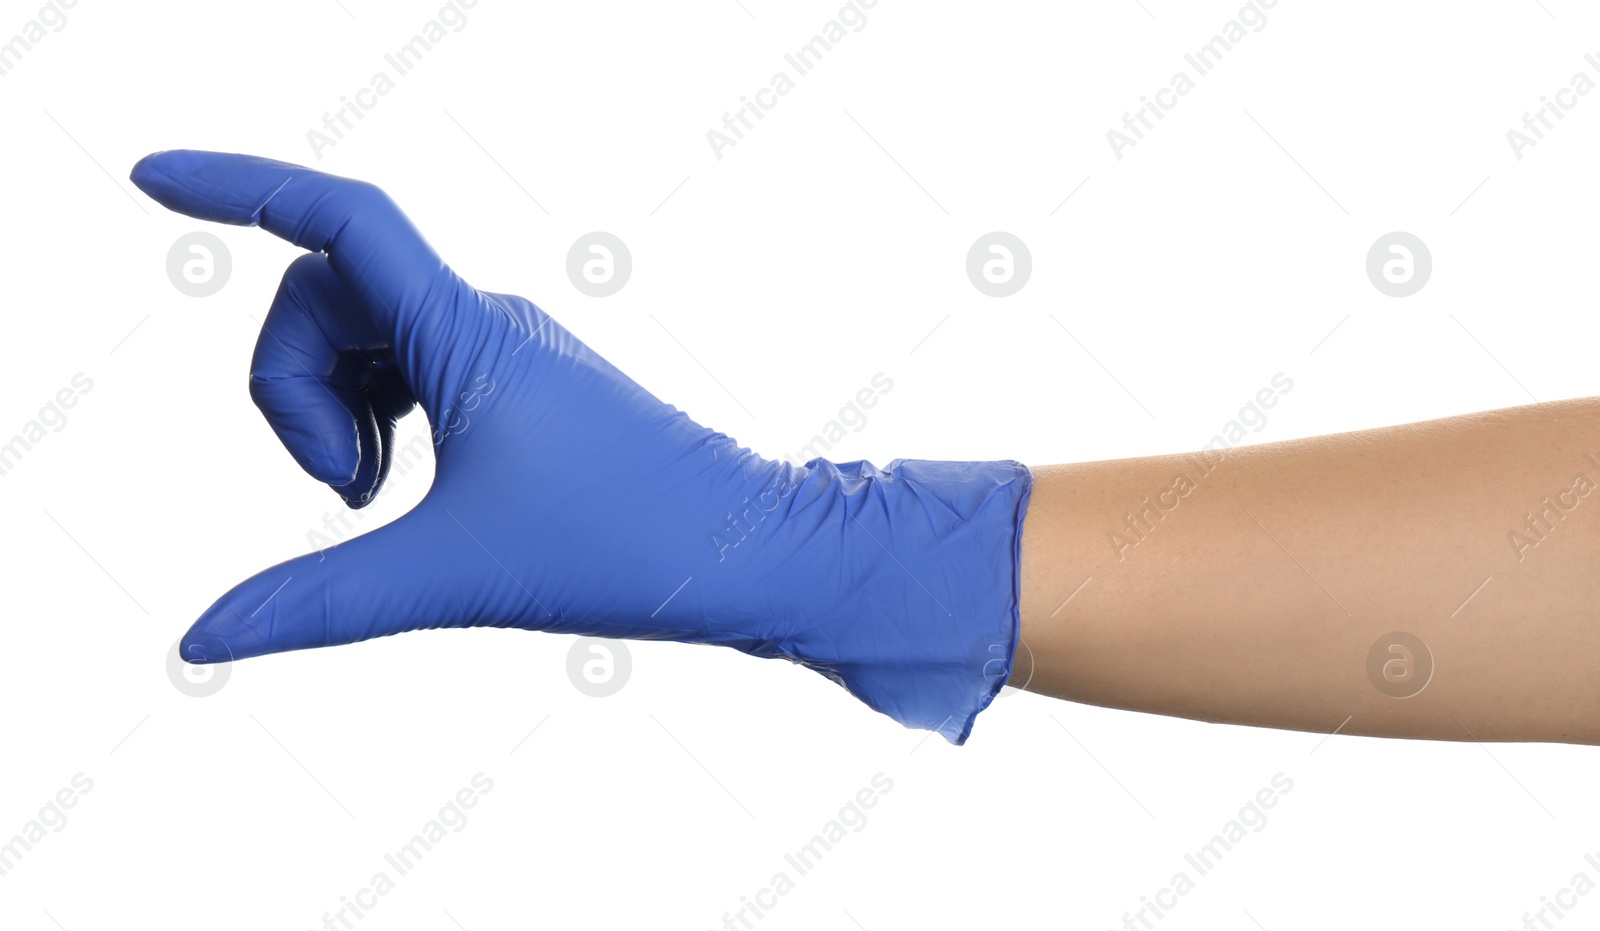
(416, 302)
(397, 578)
(310, 380)
(390, 399)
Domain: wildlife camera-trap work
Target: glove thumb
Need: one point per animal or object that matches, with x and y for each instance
(381, 583)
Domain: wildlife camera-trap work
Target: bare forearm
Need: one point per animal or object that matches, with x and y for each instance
(1250, 586)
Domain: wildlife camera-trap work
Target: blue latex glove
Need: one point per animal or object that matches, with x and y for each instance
(569, 499)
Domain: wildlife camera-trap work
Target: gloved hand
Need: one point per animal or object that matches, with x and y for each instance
(569, 499)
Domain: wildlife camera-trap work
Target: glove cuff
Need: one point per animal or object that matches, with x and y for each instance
(929, 555)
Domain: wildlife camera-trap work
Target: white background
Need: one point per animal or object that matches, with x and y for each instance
(825, 247)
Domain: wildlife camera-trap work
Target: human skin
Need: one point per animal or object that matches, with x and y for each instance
(1257, 597)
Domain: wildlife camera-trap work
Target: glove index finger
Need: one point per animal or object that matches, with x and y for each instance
(370, 243)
